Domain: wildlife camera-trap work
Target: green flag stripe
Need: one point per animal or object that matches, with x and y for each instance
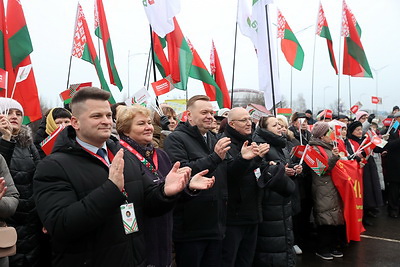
(359, 55)
(185, 63)
(289, 35)
(326, 33)
(86, 54)
(298, 62)
(103, 82)
(20, 46)
(97, 32)
(114, 71)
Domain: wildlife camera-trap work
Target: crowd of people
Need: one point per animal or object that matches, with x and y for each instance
(128, 186)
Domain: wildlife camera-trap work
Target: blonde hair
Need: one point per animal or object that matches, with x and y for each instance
(125, 115)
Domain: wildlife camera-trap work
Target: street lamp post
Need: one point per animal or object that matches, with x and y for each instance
(129, 60)
(377, 82)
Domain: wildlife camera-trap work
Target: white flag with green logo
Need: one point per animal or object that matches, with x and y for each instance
(252, 23)
(160, 14)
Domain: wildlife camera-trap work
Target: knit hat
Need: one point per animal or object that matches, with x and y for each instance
(308, 111)
(360, 113)
(352, 126)
(395, 107)
(9, 103)
(222, 111)
(320, 129)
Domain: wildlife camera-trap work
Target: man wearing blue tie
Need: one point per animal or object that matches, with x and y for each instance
(86, 187)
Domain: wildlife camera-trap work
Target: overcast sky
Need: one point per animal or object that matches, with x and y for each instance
(51, 25)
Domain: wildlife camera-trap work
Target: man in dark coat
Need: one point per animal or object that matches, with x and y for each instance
(199, 222)
(392, 177)
(243, 217)
(80, 196)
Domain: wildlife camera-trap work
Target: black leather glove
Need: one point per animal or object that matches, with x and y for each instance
(164, 122)
(371, 117)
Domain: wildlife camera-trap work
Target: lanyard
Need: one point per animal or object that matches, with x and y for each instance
(109, 154)
(111, 158)
(144, 161)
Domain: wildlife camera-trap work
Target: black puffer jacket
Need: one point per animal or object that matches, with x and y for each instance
(80, 206)
(22, 157)
(275, 232)
(202, 217)
(243, 189)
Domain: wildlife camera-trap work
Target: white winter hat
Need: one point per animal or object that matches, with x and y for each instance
(9, 103)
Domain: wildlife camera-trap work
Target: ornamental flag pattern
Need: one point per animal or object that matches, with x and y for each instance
(79, 36)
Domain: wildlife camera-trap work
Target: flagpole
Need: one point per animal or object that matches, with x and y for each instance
(69, 70)
(234, 62)
(154, 62)
(147, 68)
(340, 67)
(313, 65)
(270, 62)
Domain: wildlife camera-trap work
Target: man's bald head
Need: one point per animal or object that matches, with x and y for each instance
(237, 113)
(240, 120)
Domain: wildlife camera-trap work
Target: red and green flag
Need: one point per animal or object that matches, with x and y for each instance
(216, 71)
(180, 57)
(290, 47)
(159, 56)
(66, 96)
(355, 61)
(101, 31)
(83, 48)
(17, 49)
(323, 31)
(199, 71)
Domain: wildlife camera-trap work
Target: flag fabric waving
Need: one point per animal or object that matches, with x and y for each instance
(347, 178)
(101, 31)
(291, 48)
(323, 31)
(180, 57)
(355, 61)
(83, 48)
(66, 96)
(253, 25)
(216, 71)
(315, 161)
(199, 71)
(160, 14)
(160, 58)
(17, 49)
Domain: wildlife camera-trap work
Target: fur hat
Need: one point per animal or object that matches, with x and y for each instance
(9, 103)
(320, 129)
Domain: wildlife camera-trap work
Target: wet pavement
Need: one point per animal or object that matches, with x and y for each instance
(379, 246)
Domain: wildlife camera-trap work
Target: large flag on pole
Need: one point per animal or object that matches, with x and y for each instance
(355, 61)
(83, 48)
(216, 71)
(101, 31)
(253, 24)
(160, 14)
(291, 48)
(180, 57)
(17, 49)
(160, 58)
(199, 71)
(323, 31)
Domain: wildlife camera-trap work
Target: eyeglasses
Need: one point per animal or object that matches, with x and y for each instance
(244, 120)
